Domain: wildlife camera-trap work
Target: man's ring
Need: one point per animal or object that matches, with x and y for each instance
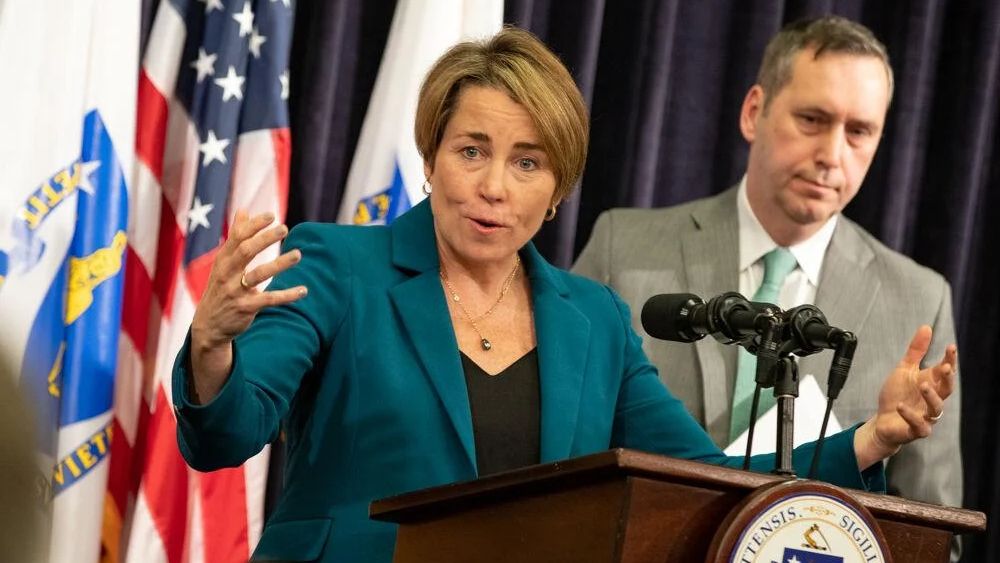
(935, 418)
(243, 281)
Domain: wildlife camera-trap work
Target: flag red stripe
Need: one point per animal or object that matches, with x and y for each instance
(224, 515)
(151, 126)
(136, 300)
(282, 139)
(168, 257)
(165, 481)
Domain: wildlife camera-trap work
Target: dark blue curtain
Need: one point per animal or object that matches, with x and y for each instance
(665, 79)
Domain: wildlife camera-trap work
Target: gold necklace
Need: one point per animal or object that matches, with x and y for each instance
(483, 341)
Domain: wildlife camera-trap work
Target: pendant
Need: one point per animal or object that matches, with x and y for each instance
(486, 345)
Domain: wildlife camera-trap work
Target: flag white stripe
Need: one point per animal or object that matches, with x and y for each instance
(144, 218)
(150, 549)
(128, 388)
(181, 161)
(163, 50)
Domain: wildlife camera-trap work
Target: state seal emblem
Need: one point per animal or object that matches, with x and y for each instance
(801, 522)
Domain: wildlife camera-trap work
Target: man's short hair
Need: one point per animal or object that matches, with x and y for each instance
(828, 34)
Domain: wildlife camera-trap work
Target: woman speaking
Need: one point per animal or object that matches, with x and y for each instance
(444, 347)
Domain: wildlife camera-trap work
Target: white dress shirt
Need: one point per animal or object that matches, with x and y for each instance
(800, 285)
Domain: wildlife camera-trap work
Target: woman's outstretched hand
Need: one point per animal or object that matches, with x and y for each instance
(231, 299)
(911, 401)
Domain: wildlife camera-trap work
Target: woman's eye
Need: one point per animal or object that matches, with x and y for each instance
(526, 164)
(470, 152)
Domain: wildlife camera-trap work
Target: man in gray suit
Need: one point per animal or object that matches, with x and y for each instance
(813, 120)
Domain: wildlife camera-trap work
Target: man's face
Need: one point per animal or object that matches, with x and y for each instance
(812, 146)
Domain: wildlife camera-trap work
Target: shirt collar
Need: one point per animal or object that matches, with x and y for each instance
(755, 242)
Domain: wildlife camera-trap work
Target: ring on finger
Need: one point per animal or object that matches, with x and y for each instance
(244, 283)
(935, 418)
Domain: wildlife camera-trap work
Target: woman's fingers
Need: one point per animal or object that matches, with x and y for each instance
(945, 372)
(935, 403)
(247, 250)
(267, 271)
(920, 427)
(278, 297)
(244, 226)
(238, 249)
(918, 346)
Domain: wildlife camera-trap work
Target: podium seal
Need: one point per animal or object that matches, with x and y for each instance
(800, 522)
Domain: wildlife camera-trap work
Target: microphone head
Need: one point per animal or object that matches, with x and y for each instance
(809, 329)
(668, 316)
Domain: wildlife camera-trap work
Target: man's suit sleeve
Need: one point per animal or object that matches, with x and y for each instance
(931, 469)
(594, 261)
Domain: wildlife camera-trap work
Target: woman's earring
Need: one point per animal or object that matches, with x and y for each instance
(551, 213)
(427, 187)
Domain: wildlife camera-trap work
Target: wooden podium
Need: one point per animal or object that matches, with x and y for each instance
(626, 506)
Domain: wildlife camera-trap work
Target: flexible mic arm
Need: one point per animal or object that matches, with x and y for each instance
(845, 344)
(810, 333)
(767, 349)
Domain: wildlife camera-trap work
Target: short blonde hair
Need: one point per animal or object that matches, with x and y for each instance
(518, 63)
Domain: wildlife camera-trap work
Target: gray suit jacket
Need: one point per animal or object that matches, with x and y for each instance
(865, 287)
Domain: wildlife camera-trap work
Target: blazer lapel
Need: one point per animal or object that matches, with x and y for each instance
(710, 250)
(847, 287)
(421, 305)
(563, 345)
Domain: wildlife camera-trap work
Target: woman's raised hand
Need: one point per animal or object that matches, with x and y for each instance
(232, 300)
(910, 402)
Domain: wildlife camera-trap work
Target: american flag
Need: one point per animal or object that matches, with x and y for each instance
(212, 137)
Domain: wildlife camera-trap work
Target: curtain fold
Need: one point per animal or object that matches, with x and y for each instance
(335, 57)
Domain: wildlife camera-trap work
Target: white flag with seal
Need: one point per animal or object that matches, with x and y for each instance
(69, 70)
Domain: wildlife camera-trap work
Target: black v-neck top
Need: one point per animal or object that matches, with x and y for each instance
(506, 413)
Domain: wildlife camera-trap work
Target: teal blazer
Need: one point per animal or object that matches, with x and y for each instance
(366, 376)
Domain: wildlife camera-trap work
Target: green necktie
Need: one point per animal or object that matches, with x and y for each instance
(777, 265)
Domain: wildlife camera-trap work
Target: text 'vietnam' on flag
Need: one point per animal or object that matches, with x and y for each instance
(212, 138)
(67, 153)
(387, 173)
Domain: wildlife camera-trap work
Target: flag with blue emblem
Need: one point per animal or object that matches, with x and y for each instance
(387, 172)
(793, 555)
(67, 155)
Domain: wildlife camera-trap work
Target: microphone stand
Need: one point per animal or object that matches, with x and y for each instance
(785, 373)
(767, 361)
(786, 389)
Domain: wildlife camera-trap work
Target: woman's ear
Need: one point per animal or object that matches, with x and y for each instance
(428, 170)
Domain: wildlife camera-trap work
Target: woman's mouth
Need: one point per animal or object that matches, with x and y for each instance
(485, 226)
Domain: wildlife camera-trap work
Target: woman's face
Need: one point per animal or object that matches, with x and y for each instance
(491, 180)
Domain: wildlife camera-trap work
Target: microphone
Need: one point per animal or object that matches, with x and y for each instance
(811, 333)
(684, 317)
